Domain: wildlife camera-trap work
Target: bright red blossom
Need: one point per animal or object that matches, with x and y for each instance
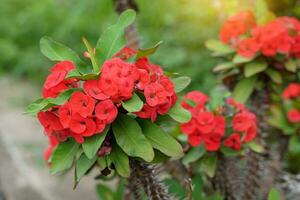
(294, 116)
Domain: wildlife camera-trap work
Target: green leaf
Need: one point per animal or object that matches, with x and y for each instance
(73, 74)
(253, 68)
(256, 147)
(96, 68)
(120, 160)
(237, 59)
(279, 120)
(161, 140)
(294, 144)
(274, 194)
(102, 164)
(194, 154)
(120, 190)
(56, 51)
(83, 164)
(229, 152)
(63, 156)
(216, 98)
(208, 165)
(104, 192)
(148, 51)
(42, 104)
(218, 47)
(198, 188)
(112, 40)
(33, 108)
(224, 66)
(134, 104)
(291, 65)
(180, 83)
(274, 75)
(244, 88)
(130, 138)
(92, 144)
(179, 114)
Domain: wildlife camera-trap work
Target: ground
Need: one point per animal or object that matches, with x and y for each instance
(23, 173)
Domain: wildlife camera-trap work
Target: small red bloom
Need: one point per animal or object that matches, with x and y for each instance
(206, 121)
(294, 116)
(91, 87)
(82, 126)
(106, 111)
(233, 141)
(82, 104)
(243, 121)
(212, 143)
(147, 112)
(126, 53)
(52, 144)
(63, 66)
(189, 127)
(65, 114)
(155, 94)
(54, 91)
(292, 91)
(54, 79)
(49, 121)
(250, 134)
(197, 97)
(195, 139)
(248, 47)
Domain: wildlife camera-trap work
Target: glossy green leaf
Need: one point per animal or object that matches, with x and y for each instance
(83, 164)
(161, 140)
(253, 68)
(194, 154)
(274, 75)
(104, 192)
(134, 104)
(180, 83)
(244, 89)
(42, 104)
(120, 161)
(279, 120)
(148, 51)
(237, 59)
(224, 66)
(256, 147)
(218, 47)
(112, 39)
(63, 156)
(179, 114)
(274, 194)
(130, 138)
(56, 51)
(208, 165)
(291, 65)
(217, 97)
(92, 144)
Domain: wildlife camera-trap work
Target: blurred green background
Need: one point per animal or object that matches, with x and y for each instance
(183, 25)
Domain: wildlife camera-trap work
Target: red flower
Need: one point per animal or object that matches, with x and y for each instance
(197, 97)
(243, 121)
(91, 87)
(54, 91)
(294, 116)
(206, 121)
(142, 63)
(63, 66)
(292, 91)
(54, 79)
(144, 79)
(195, 139)
(237, 25)
(220, 127)
(147, 112)
(65, 114)
(49, 121)
(82, 104)
(126, 53)
(106, 111)
(155, 94)
(82, 126)
(233, 141)
(189, 127)
(100, 125)
(212, 143)
(52, 144)
(250, 134)
(248, 47)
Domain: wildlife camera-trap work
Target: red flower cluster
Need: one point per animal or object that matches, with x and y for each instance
(292, 93)
(281, 35)
(87, 112)
(236, 26)
(209, 127)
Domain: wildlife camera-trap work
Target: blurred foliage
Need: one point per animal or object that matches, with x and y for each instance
(183, 25)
